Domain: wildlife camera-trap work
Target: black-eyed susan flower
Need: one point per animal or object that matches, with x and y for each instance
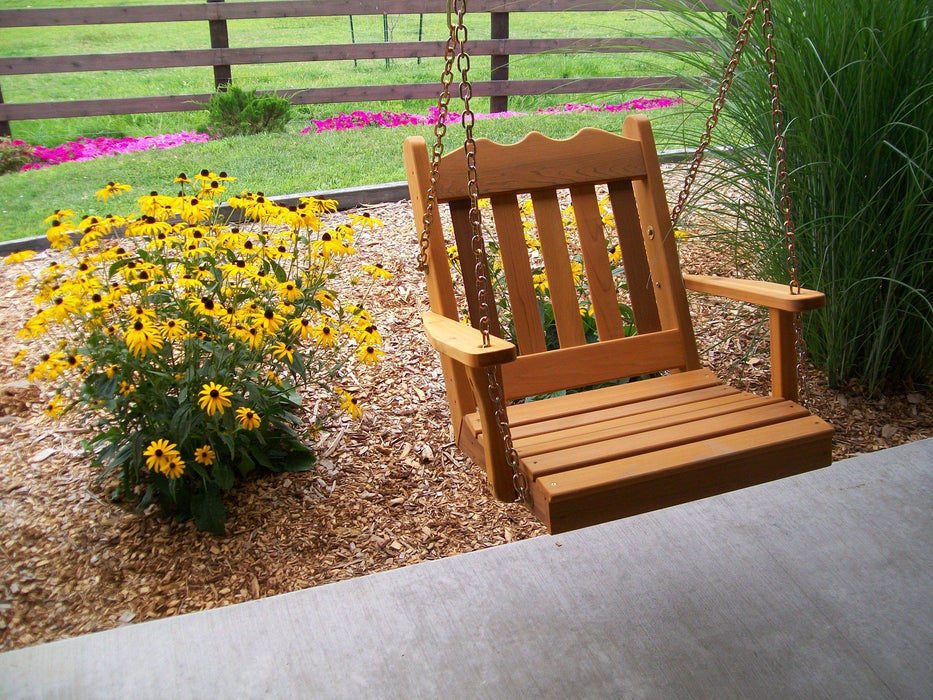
(214, 397)
(174, 467)
(289, 290)
(111, 189)
(324, 335)
(18, 256)
(55, 407)
(142, 337)
(269, 320)
(283, 351)
(174, 329)
(365, 219)
(205, 455)
(159, 452)
(302, 326)
(377, 271)
(247, 418)
(349, 403)
(369, 354)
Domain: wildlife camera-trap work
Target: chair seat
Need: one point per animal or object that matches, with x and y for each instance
(627, 449)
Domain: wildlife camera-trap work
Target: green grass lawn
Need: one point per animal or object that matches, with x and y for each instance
(291, 162)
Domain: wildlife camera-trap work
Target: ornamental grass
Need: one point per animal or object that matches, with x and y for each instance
(187, 337)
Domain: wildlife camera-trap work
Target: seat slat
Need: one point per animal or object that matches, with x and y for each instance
(633, 421)
(563, 291)
(638, 442)
(522, 298)
(603, 398)
(601, 285)
(590, 418)
(645, 482)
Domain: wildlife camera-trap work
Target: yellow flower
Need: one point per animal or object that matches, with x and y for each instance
(615, 254)
(247, 418)
(205, 455)
(142, 337)
(369, 354)
(159, 453)
(284, 352)
(174, 467)
(320, 206)
(214, 397)
(111, 189)
(174, 329)
(349, 403)
(289, 290)
(18, 257)
(269, 320)
(377, 270)
(324, 335)
(54, 407)
(302, 327)
(365, 219)
(681, 235)
(126, 388)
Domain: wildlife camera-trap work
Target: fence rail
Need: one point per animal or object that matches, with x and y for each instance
(222, 57)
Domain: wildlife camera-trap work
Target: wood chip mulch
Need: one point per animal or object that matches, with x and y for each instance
(389, 491)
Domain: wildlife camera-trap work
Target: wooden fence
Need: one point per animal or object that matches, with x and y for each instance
(499, 47)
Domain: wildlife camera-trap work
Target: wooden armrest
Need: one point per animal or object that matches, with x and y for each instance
(770, 294)
(464, 343)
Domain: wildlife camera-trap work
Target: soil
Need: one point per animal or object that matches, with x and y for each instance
(389, 491)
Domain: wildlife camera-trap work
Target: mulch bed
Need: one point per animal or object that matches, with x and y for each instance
(389, 490)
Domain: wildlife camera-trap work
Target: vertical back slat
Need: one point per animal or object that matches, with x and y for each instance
(463, 233)
(522, 298)
(557, 263)
(632, 245)
(602, 288)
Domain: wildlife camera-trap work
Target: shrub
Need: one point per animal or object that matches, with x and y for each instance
(14, 155)
(236, 112)
(857, 94)
(189, 338)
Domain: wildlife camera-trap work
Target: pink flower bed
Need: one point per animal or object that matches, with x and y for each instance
(89, 149)
(361, 119)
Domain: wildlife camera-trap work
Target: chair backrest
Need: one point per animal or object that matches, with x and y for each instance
(591, 165)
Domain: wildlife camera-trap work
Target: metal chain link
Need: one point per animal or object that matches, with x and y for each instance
(783, 180)
(780, 150)
(440, 130)
(496, 394)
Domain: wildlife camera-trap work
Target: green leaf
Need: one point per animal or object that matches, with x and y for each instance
(223, 475)
(297, 461)
(209, 512)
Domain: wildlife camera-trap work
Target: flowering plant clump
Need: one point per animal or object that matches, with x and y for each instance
(189, 337)
(15, 154)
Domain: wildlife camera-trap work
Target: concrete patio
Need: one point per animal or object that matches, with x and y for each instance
(815, 586)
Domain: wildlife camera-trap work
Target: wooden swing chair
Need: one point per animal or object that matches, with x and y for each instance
(599, 454)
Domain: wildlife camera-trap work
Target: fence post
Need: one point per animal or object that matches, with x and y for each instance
(499, 64)
(4, 126)
(220, 40)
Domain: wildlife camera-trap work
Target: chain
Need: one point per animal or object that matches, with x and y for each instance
(783, 179)
(740, 41)
(496, 394)
(440, 130)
